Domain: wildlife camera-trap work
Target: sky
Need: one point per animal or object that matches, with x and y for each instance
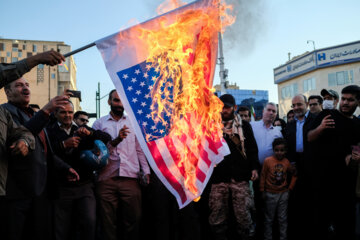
(264, 33)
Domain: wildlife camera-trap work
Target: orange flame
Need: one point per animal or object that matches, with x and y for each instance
(181, 51)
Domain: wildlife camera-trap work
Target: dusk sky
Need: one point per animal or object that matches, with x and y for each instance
(259, 41)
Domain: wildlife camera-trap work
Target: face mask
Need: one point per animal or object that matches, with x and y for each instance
(278, 127)
(328, 104)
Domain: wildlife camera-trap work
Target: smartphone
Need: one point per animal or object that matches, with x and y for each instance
(75, 94)
(356, 148)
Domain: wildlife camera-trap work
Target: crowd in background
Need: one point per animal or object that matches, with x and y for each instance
(62, 179)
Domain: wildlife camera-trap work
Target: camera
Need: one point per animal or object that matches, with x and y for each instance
(75, 94)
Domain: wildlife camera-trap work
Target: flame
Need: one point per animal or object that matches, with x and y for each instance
(181, 52)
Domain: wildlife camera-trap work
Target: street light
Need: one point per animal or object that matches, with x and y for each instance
(312, 42)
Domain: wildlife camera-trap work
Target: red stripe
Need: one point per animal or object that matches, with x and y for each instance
(214, 146)
(160, 163)
(204, 155)
(174, 154)
(200, 175)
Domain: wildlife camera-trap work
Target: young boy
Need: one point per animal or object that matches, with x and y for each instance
(275, 188)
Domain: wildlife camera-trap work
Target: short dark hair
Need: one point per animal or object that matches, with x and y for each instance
(110, 94)
(279, 141)
(289, 112)
(7, 86)
(282, 121)
(244, 108)
(318, 97)
(78, 113)
(352, 89)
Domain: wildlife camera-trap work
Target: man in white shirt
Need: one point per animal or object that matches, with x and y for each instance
(265, 132)
(118, 185)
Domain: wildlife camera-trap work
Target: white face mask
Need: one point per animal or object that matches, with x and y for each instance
(278, 127)
(328, 104)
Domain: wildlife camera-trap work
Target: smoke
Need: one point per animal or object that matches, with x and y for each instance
(248, 28)
(242, 36)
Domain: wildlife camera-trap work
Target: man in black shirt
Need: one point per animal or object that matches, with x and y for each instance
(231, 176)
(75, 198)
(332, 134)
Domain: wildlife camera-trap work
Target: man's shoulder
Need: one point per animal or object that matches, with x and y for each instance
(256, 124)
(102, 119)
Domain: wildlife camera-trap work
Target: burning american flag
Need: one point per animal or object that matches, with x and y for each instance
(163, 71)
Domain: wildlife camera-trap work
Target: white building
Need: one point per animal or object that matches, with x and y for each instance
(331, 68)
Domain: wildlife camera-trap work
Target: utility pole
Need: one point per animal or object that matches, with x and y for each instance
(97, 99)
(223, 72)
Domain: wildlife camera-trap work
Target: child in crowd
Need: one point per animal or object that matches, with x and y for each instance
(275, 188)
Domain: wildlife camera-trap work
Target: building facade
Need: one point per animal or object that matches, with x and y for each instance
(330, 68)
(45, 81)
(249, 98)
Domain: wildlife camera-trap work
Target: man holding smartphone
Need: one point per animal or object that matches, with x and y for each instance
(332, 134)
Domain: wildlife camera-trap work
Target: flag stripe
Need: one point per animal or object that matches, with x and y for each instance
(165, 170)
(174, 154)
(179, 142)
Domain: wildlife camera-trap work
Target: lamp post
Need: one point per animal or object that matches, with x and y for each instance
(312, 42)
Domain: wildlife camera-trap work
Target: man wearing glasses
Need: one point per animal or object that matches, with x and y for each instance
(315, 104)
(81, 118)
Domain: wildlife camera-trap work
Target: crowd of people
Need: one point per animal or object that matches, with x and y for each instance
(61, 179)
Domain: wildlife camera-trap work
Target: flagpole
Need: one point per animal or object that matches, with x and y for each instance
(93, 44)
(79, 49)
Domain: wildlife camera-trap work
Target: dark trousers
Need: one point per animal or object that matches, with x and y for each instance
(119, 199)
(75, 214)
(22, 218)
(163, 219)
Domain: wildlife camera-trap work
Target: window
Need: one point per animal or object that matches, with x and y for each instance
(19, 54)
(2, 59)
(24, 47)
(14, 59)
(289, 91)
(29, 54)
(341, 78)
(45, 48)
(53, 75)
(40, 73)
(2, 46)
(309, 84)
(8, 54)
(34, 48)
(14, 49)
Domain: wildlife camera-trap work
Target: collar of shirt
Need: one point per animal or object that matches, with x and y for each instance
(68, 131)
(264, 125)
(110, 117)
(305, 117)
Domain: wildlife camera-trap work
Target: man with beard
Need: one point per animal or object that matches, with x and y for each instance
(295, 135)
(333, 134)
(118, 186)
(27, 205)
(231, 176)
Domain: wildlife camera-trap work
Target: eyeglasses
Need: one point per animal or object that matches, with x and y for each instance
(313, 104)
(84, 120)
